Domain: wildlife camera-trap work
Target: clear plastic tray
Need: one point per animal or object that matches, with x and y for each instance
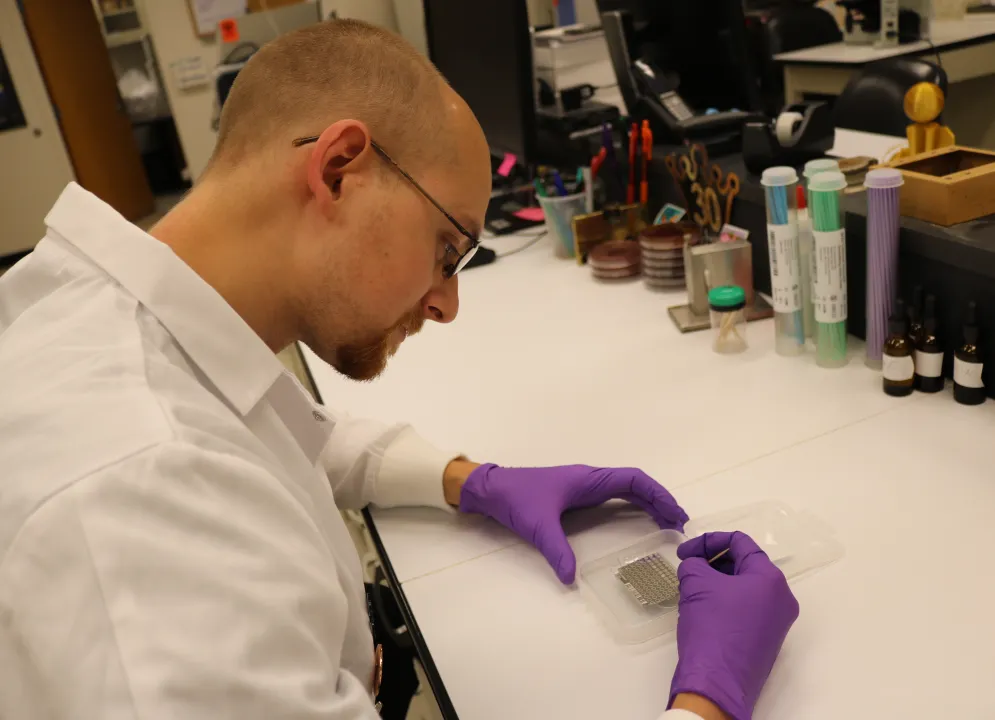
(797, 542)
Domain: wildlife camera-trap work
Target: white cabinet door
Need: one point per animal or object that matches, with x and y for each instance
(34, 164)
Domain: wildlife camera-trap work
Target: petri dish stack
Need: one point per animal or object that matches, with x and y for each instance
(615, 260)
(662, 250)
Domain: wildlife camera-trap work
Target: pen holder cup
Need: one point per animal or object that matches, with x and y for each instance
(559, 211)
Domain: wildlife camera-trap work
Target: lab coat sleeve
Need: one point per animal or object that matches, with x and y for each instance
(388, 466)
(179, 583)
(680, 715)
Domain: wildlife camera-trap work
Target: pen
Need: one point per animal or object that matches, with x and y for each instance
(630, 191)
(540, 190)
(611, 166)
(558, 182)
(647, 135)
(597, 161)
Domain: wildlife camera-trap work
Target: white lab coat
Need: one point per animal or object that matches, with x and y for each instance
(170, 538)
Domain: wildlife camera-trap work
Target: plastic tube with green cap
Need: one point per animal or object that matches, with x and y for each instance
(828, 268)
(812, 168)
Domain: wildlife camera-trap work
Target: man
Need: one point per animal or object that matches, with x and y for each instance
(170, 538)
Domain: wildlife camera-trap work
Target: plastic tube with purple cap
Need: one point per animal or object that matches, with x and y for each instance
(883, 187)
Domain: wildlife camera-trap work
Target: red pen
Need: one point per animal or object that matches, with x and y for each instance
(596, 163)
(644, 187)
(630, 192)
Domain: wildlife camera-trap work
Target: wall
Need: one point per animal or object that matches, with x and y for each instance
(174, 39)
(376, 12)
(410, 16)
(950, 9)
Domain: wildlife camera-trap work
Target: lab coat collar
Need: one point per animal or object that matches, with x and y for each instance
(216, 338)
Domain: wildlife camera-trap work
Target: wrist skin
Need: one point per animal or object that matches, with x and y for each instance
(702, 707)
(454, 476)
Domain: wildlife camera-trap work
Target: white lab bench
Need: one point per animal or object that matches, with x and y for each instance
(546, 366)
(966, 47)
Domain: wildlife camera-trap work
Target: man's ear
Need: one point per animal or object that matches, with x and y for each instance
(341, 149)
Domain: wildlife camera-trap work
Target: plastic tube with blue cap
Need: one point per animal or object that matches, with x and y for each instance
(785, 277)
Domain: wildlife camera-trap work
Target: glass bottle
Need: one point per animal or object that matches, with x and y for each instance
(897, 366)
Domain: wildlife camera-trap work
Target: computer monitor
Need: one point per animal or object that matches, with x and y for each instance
(704, 42)
(484, 49)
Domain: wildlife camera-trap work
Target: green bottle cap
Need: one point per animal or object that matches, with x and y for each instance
(827, 182)
(726, 298)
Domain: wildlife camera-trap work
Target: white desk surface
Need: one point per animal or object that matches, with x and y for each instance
(944, 34)
(555, 368)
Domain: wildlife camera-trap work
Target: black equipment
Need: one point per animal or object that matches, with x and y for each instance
(484, 49)
(679, 70)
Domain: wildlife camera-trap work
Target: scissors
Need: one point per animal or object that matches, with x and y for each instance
(729, 188)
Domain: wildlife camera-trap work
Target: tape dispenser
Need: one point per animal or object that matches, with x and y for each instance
(800, 133)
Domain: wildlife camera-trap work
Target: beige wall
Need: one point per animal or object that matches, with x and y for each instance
(174, 39)
(950, 9)
(410, 17)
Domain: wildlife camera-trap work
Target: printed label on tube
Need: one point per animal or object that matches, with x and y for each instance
(929, 364)
(829, 276)
(897, 369)
(968, 374)
(784, 275)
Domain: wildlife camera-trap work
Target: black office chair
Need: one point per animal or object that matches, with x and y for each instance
(796, 27)
(872, 100)
(791, 26)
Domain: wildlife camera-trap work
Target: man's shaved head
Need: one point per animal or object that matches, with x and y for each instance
(304, 80)
(326, 241)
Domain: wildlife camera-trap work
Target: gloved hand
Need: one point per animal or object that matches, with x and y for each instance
(734, 616)
(530, 501)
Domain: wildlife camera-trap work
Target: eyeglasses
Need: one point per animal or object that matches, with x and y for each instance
(454, 260)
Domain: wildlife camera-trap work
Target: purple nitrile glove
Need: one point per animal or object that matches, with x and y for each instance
(734, 616)
(530, 501)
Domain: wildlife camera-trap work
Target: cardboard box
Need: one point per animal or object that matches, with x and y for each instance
(948, 186)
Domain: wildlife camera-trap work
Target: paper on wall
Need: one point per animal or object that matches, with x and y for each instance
(208, 13)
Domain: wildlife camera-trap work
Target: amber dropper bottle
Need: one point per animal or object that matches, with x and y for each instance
(915, 316)
(929, 352)
(897, 367)
(969, 389)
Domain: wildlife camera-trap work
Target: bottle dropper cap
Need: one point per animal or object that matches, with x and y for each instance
(915, 312)
(929, 315)
(971, 324)
(898, 323)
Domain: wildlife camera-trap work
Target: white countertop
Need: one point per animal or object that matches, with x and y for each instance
(544, 365)
(944, 33)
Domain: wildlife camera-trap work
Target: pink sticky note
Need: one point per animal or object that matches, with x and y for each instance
(507, 164)
(532, 214)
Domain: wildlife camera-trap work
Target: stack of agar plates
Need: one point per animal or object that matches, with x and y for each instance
(662, 261)
(614, 260)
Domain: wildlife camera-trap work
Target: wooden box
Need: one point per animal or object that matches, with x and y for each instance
(948, 186)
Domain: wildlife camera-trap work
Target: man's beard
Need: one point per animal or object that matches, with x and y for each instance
(367, 360)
